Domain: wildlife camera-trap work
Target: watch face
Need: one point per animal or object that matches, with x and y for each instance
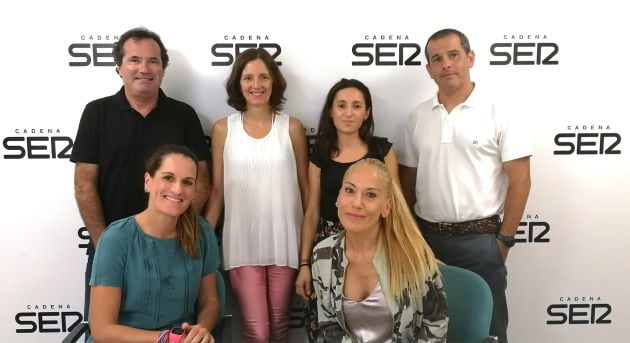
(177, 331)
(175, 335)
(509, 241)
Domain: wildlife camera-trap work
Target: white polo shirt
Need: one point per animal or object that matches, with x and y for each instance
(459, 156)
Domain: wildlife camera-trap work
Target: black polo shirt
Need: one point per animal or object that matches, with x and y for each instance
(118, 139)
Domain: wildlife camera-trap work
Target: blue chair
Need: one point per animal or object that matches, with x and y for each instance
(77, 332)
(222, 332)
(469, 305)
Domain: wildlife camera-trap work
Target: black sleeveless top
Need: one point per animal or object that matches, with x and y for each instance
(332, 173)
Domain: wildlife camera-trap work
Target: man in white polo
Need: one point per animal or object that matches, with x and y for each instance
(464, 162)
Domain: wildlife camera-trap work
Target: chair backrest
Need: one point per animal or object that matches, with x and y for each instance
(469, 305)
(222, 294)
(223, 331)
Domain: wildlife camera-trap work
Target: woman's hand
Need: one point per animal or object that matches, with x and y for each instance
(304, 283)
(196, 334)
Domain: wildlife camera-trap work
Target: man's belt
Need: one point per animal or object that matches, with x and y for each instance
(485, 225)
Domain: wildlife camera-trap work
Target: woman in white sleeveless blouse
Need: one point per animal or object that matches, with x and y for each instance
(259, 158)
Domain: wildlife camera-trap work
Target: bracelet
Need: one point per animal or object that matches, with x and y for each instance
(163, 337)
(305, 260)
(304, 264)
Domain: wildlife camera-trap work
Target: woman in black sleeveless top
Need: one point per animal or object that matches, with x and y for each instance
(344, 136)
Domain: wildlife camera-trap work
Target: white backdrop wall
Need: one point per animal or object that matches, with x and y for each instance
(562, 67)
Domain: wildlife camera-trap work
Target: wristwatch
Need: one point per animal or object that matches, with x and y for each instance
(175, 335)
(508, 240)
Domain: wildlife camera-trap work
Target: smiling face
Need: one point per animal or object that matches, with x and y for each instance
(141, 69)
(449, 65)
(172, 187)
(256, 83)
(363, 199)
(349, 110)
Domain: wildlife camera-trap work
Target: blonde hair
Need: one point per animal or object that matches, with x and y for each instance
(410, 260)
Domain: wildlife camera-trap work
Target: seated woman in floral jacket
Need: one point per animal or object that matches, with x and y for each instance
(378, 281)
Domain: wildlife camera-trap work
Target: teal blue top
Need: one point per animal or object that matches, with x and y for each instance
(159, 281)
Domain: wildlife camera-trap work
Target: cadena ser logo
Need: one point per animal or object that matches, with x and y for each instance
(311, 135)
(524, 49)
(582, 310)
(84, 239)
(588, 139)
(533, 229)
(225, 53)
(45, 318)
(92, 50)
(37, 143)
(386, 50)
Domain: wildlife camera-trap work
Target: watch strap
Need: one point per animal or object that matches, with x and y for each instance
(508, 240)
(163, 337)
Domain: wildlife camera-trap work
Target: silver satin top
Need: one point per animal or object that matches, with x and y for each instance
(369, 320)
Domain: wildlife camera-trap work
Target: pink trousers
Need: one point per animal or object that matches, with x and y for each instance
(264, 299)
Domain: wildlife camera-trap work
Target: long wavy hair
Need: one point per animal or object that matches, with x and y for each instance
(410, 260)
(187, 228)
(326, 143)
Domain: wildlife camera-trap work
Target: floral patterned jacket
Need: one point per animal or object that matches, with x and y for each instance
(419, 321)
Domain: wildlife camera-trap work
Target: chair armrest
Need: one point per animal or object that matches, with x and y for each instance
(76, 333)
(223, 331)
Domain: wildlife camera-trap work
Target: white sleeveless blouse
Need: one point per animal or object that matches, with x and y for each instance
(263, 208)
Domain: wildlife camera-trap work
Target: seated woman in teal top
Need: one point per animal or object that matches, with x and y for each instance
(156, 270)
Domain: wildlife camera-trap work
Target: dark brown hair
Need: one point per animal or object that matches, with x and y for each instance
(236, 98)
(326, 144)
(138, 33)
(187, 224)
(463, 40)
